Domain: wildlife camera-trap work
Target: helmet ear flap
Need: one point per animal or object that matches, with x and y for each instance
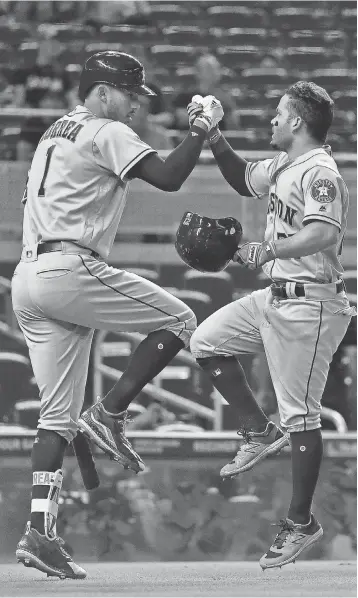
(207, 244)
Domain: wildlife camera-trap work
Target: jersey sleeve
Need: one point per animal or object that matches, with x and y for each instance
(323, 192)
(118, 148)
(258, 176)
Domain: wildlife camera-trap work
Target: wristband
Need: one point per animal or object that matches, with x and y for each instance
(270, 249)
(214, 138)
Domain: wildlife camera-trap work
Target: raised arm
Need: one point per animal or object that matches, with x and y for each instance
(170, 174)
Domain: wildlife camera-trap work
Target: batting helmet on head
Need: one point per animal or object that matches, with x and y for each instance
(207, 244)
(114, 68)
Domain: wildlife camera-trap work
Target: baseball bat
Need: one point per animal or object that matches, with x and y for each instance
(83, 452)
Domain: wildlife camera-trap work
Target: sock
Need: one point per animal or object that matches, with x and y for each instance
(148, 360)
(47, 455)
(228, 377)
(306, 457)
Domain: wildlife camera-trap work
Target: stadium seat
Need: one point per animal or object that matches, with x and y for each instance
(200, 303)
(305, 58)
(219, 286)
(9, 137)
(73, 72)
(128, 34)
(16, 381)
(190, 35)
(6, 54)
(262, 77)
(238, 58)
(348, 18)
(250, 118)
(14, 33)
(165, 14)
(26, 413)
(167, 55)
(244, 37)
(305, 37)
(345, 99)
(236, 16)
(335, 38)
(27, 53)
(334, 79)
(299, 18)
(67, 32)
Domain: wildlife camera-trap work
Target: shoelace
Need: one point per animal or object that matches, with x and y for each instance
(286, 529)
(249, 445)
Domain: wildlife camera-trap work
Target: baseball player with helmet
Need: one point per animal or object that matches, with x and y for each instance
(63, 288)
(300, 319)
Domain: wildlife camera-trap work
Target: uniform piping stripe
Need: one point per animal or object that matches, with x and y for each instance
(313, 360)
(321, 217)
(128, 296)
(138, 157)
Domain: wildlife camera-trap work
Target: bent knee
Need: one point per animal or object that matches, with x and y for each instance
(200, 344)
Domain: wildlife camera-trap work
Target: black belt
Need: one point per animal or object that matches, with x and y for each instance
(279, 289)
(49, 246)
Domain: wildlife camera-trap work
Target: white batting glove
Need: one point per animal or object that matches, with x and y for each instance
(253, 255)
(211, 111)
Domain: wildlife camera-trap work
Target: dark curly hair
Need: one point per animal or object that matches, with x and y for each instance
(313, 104)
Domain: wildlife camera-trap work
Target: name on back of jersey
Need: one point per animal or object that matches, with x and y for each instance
(67, 129)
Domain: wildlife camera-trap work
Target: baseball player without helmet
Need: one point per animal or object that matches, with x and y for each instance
(207, 244)
(114, 68)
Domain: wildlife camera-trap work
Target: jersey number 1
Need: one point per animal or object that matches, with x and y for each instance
(49, 153)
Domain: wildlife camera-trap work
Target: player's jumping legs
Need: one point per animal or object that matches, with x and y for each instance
(59, 356)
(232, 330)
(299, 377)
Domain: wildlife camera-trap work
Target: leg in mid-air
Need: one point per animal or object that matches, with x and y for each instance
(117, 300)
(232, 330)
(59, 354)
(299, 383)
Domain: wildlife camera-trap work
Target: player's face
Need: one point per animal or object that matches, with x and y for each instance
(121, 105)
(281, 126)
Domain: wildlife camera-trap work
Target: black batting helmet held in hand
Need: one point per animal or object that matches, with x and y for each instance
(114, 68)
(207, 244)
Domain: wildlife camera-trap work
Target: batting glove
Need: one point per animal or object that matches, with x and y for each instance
(207, 110)
(253, 255)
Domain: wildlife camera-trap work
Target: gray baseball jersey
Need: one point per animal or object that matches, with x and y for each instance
(75, 193)
(309, 188)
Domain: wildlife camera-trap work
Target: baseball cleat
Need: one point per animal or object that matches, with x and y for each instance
(290, 542)
(48, 556)
(108, 432)
(256, 446)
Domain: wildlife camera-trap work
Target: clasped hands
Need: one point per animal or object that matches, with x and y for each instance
(205, 110)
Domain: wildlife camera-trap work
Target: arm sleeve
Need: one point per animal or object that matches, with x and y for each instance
(118, 148)
(323, 192)
(258, 176)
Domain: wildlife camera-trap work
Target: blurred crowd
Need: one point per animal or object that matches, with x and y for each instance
(246, 56)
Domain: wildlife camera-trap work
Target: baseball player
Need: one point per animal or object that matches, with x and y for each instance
(301, 318)
(63, 288)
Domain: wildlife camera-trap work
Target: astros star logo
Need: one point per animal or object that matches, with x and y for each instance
(323, 191)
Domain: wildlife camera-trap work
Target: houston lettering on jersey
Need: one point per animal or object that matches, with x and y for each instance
(67, 129)
(285, 212)
(306, 189)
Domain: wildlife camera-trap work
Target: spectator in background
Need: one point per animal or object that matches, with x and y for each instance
(48, 75)
(208, 75)
(155, 135)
